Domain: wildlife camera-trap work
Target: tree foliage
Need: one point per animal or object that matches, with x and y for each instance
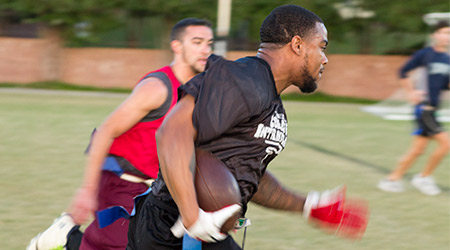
(85, 21)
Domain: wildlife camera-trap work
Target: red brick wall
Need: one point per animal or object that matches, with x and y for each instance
(110, 67)
(30, 60)
(365, 76)
(20, 60)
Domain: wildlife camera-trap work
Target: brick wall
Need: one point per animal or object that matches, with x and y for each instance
(31, 60)
(110, 67)
(365, 76)
(21, 60)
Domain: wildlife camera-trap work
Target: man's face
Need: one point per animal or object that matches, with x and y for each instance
(442, 37)
(196, 46)
(314, 59)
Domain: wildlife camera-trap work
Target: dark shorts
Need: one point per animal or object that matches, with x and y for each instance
(113, 191)
(426, 122)
(150, 228)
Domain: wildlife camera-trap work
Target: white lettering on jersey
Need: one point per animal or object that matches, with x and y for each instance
(275, 134)
(439, 68)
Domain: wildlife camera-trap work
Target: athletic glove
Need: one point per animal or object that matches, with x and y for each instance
(332, 212)
(208, 224)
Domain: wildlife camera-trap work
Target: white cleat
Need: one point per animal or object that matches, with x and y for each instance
(55, 236)
(425, 185)
(391, 186)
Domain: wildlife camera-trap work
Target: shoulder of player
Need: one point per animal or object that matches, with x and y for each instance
(249, 77)
(245, 72)
(151, 85)
(422, 52)
(151, 90)
(417, 59)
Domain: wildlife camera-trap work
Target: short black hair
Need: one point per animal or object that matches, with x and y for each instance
(180, 26)
(441, 24)
(287, 21)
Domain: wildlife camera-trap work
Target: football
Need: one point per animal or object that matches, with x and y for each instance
(216, 187)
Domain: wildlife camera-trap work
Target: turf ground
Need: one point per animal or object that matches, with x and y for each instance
(43, 135)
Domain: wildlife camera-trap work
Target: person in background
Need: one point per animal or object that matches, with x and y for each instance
(425, 96)
(122, 159)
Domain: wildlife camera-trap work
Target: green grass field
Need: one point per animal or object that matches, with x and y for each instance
(43, 135)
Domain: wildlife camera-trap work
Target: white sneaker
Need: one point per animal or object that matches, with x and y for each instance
(391, 186)
(55, 236)
(426, 185)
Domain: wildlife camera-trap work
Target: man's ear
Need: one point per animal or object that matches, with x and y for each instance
(176, 46)
(297, 45)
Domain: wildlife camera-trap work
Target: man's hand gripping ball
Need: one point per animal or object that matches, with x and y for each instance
(332, 212)
(207, 227)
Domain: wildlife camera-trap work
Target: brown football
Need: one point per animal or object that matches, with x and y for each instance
(216, 187)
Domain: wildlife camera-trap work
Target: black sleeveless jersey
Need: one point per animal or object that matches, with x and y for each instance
(239, 117)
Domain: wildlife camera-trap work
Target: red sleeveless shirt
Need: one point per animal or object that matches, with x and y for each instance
(138, 145)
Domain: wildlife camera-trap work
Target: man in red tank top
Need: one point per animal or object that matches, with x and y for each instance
(122, 159)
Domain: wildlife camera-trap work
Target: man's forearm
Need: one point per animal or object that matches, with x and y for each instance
(272, 195)
(176, 159)
(101, 142)
(179, 181)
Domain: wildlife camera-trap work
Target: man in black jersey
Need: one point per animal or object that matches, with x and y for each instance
(234, 111)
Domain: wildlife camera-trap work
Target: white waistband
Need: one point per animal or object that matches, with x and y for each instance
(135, 179)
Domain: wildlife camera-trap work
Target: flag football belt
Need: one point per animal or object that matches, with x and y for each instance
(125, 170)
(428, 107)
(135, 179)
